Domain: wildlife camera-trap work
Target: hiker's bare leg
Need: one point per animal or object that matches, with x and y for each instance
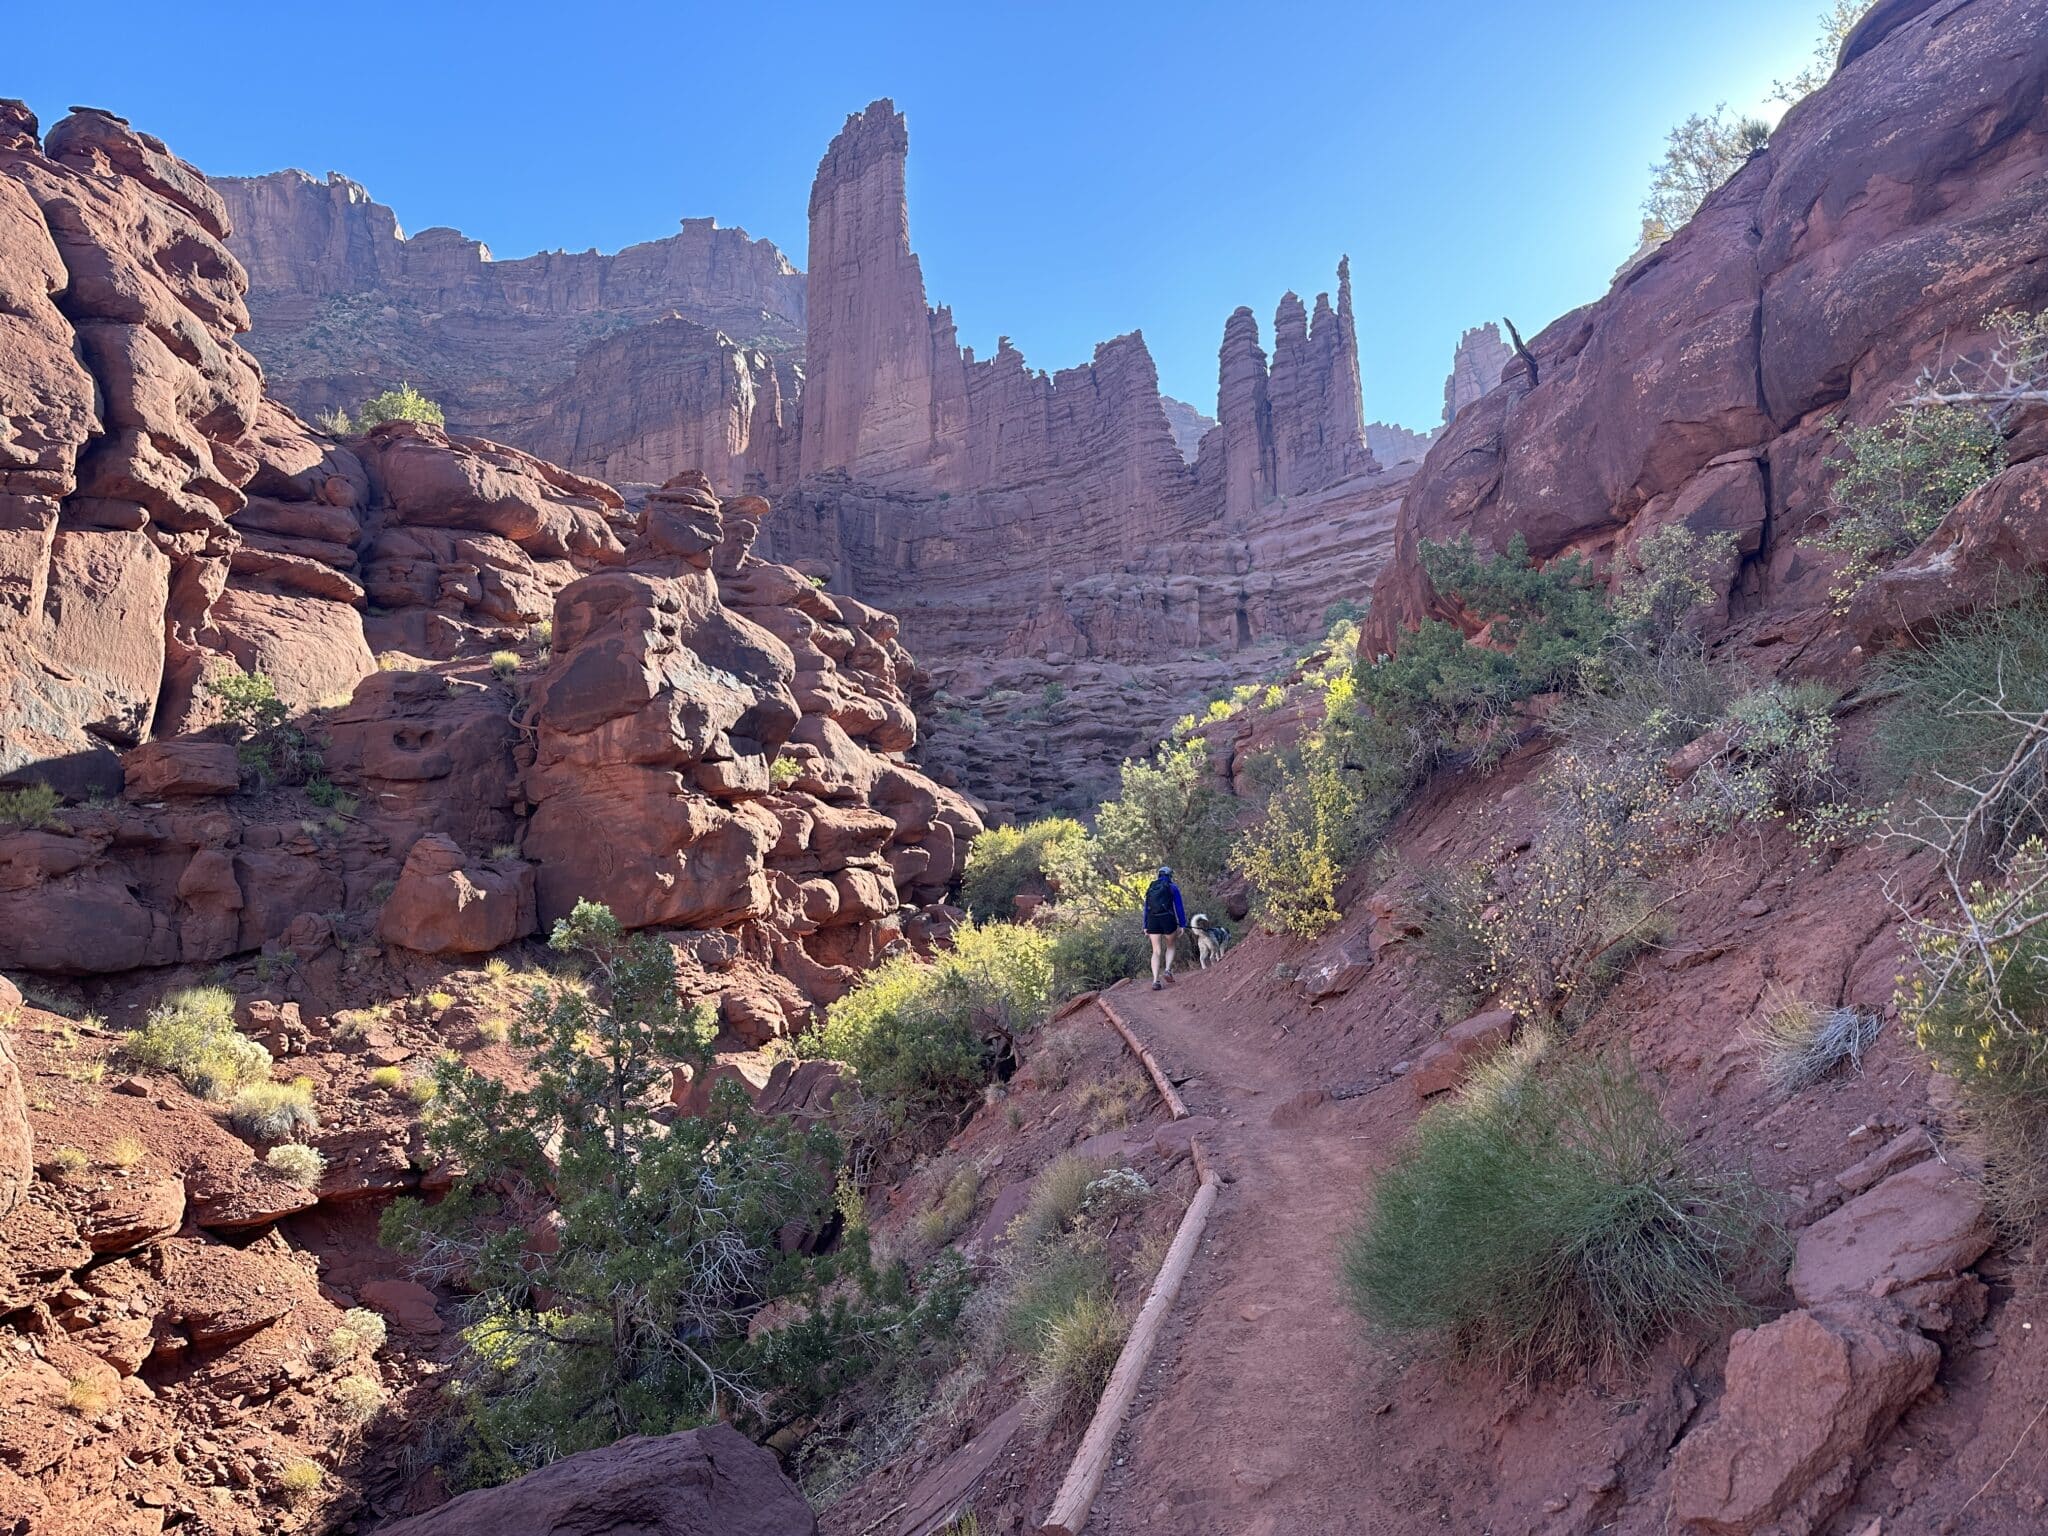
(1159, 953)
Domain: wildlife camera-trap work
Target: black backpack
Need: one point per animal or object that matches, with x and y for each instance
(1159, 902)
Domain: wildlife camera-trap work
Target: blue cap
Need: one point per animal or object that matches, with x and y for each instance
(1166, 871)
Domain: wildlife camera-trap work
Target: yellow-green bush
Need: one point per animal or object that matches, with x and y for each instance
(192, 1033)
(1004, 862)
(919, 1034)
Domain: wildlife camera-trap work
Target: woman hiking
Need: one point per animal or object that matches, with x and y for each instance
(1164, 919)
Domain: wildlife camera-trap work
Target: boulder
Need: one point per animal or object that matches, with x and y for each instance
(1808, 1397)
(161, 770)
(1926, 1223)
(1445, 1063)
(445, 904)
(407, 1303)
(705, 1482)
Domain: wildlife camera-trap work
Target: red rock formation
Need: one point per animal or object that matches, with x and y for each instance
(668, 394)
(1701, 387)
(1300, 426)
(706, 1482)
(521, 351)
(135, 422)
(1475, 368)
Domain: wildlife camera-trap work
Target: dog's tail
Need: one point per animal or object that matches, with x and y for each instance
(1199, 920)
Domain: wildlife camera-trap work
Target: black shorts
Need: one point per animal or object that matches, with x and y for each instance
(1170, 928)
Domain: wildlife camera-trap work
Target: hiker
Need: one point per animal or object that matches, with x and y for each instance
(1164, 919)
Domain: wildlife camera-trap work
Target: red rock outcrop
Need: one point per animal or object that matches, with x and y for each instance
(134, 424)
(705, 1482)
(1476, 367)
(1701, 387)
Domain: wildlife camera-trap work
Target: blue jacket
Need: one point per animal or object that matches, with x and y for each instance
(1180, 913)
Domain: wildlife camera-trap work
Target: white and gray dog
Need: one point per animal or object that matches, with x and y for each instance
(1209, 938)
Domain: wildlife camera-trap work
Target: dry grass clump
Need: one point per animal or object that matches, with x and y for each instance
(360, 1331)
(1055, 1204)
(951, 1211)
(1076, 1351)
(1551, 1222)
(358, 1398)
(298, 1478)
(1798, 1043)
(88, 1394)
(126, 1152)
(504, 663)
(302, 1164)
(274, 1111)
(66, 1162)
(386, 1079)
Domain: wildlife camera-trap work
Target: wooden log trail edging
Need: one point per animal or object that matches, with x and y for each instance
(1076, 1498)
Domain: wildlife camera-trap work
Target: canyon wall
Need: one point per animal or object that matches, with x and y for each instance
(541, 350)
(1010, 515)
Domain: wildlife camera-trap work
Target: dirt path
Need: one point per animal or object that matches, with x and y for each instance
(1256, 1416)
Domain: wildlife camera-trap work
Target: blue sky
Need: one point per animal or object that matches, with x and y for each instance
(1076, 170)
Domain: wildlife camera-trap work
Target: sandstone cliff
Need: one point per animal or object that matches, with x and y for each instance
(1475, 368)
(541, 351)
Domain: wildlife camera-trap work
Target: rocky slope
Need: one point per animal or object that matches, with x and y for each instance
(502, 691)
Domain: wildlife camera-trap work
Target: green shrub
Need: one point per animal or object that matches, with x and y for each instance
(266, 740)
(785, 771)
(30, 807)
(1897, 480)
(1294, 854)
(274, 1111)
(401, 404)
(1440, 694)
(1659, 585)
(1343, 611)
(1645, 700)
(297, 1162)
(1699, 155)
(1095, 949)
(918, 1034)
(669, 1230)
(1004, 862)
(1978, 1006)
(192, 1033)
(1168, 810)
(1550, 1223)
(1781, 749)
(1076, 1350)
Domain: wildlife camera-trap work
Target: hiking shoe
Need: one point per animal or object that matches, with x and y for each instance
(1155, 986)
